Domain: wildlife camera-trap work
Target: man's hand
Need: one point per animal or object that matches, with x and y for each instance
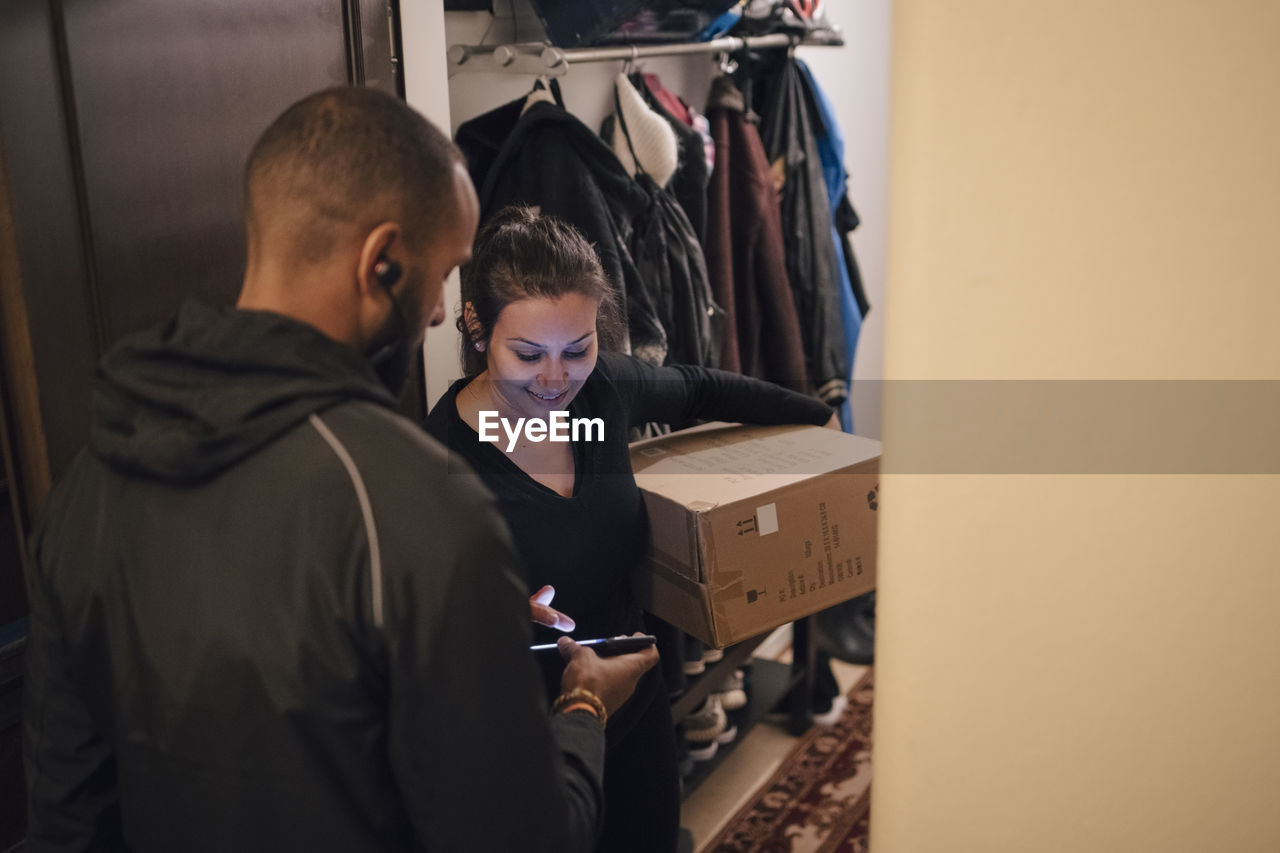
(544, 615)
(613, 679)
(834, 423)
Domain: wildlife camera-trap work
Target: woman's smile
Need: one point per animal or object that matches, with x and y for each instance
(551, 399)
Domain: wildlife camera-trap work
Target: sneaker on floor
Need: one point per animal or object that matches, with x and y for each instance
(828, 716)
(694, 667)
(731, 693)
(706, 729)
(706, 723)
(831, 716)
(703, 752)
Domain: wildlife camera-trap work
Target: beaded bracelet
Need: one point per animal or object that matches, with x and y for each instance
(580, 697)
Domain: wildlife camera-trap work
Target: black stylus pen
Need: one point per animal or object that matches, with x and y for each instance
(607, 645)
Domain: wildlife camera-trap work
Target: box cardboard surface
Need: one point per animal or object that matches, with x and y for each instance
(754, 527)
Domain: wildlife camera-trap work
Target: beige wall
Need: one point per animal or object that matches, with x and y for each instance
(1085, 190)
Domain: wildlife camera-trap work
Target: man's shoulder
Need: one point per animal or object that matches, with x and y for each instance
(67, 492)
(440, 421)
(365, 425)
(389, 450)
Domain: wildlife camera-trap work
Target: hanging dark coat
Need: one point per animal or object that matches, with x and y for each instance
(745, 254)
(787, 129)
(671, 262)
(550, 160)
(669, 256)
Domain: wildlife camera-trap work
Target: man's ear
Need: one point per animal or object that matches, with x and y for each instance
(474, 330)
(382, 244)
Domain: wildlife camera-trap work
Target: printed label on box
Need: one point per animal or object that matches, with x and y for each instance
(767, 519)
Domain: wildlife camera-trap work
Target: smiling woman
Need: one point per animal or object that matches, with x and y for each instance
(540, 351)
(533, 299)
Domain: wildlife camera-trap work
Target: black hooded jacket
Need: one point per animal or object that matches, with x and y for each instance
(267, 616)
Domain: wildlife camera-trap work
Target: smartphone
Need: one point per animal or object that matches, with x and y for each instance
(606, 646)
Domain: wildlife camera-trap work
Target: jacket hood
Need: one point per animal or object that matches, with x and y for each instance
(188, 399)
(483, 137)
(547, 130)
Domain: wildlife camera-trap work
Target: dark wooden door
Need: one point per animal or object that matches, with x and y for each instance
(123, 130)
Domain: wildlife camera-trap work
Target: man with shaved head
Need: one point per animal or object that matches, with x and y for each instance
(265, 614)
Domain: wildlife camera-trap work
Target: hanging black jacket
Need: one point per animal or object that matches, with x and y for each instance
(268, 615)
(551, 160)
(786, 126)
(670, 259)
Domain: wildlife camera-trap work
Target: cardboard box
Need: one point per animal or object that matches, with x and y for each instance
(754, 527)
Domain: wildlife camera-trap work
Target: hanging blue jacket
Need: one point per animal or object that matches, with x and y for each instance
(830, 143)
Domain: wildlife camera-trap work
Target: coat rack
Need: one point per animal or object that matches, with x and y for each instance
(542, 59)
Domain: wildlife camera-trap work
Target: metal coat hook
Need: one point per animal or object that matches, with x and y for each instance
(727, 63)
(629, 64)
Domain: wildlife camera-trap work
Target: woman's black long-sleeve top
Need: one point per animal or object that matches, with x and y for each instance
(593, 546)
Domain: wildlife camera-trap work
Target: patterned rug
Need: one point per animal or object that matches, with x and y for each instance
(819, 799)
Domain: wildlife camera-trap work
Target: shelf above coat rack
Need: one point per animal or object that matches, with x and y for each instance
(542, 59)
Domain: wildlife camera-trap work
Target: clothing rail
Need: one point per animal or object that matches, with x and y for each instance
(541, 59)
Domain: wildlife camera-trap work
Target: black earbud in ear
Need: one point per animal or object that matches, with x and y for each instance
(387, 272)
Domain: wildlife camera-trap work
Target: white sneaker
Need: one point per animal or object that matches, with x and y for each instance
(731, 694)
(782, 715)
(703, 752)
(706, 729)
(830, 718)
(708, 722)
